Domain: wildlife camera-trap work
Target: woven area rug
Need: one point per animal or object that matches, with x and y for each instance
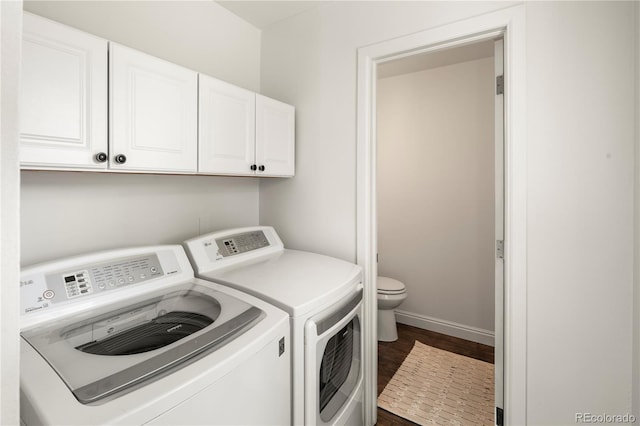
(433, 386)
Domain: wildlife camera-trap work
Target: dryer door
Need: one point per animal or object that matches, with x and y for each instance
(333, 371)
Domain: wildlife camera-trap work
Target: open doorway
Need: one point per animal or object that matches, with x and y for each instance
(440, 204)
(510, 23)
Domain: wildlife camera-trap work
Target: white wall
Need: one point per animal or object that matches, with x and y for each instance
(581, 170)
(69, 213)
(201, 35)
(436, 193)
(636, 317)
(10, 36)
(310, 62)
(130, 209)
(580, 68)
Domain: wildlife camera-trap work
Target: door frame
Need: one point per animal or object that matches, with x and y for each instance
(510, 23)
(10, 53)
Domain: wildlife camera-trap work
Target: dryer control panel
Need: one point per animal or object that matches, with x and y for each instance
(241, 243)
(226, 248)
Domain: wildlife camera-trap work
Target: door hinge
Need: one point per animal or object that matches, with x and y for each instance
(499, 85)
(499, 417)
(500, 249)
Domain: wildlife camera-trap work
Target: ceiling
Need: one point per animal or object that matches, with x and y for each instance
(261, 14)
(425, 61)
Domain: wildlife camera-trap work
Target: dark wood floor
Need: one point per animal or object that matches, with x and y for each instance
(391, 355)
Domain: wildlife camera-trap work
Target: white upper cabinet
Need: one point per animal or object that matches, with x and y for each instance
(226, 128)
(63, 99)
(275, 137)
(242, 133)
(153, 113)
(87, 103)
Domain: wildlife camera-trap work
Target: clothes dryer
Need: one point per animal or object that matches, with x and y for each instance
(323, 297)
(131, 337)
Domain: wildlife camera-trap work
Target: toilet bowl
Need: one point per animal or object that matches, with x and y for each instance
(391, 293)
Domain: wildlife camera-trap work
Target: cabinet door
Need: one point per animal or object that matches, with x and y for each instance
(275, 137)
(153, 113)
(63, 98)
(226, 128)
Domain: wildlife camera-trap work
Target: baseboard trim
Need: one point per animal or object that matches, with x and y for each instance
(449, 328)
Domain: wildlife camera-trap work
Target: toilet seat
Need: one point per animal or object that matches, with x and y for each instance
(391, 292)
(390, 286)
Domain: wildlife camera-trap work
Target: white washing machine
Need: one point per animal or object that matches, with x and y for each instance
(131, 337)
(323, 296)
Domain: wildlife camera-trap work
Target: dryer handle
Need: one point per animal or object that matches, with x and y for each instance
(337, 316)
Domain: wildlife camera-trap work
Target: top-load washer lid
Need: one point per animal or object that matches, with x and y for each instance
(122, 345)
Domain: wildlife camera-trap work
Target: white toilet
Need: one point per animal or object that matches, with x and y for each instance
(391, 293)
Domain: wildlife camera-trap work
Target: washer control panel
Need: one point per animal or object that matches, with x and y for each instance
(76, 284)
(40, 291)
(241, 243)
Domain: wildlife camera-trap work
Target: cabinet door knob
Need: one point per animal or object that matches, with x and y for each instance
(101, 157)
(254, 167)
(120, 158)
(261, 168)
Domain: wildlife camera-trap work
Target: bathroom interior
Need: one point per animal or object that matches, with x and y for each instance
(436, 205)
